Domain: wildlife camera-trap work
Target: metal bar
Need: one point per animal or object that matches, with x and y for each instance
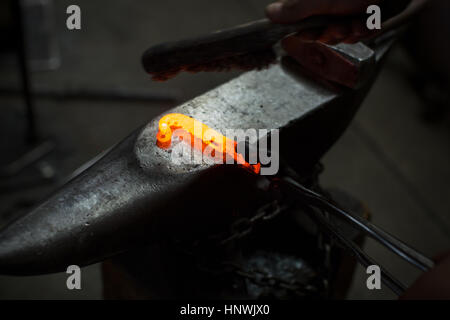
(395, 285)
(27, 159)
(390, 242)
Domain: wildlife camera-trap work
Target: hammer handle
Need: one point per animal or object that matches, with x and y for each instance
(250, 37)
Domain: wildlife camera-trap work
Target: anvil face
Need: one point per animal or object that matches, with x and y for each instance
(136, 195)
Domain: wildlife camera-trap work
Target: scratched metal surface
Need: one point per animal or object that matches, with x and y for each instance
(267, 99)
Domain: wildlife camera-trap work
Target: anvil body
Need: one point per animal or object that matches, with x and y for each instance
(134, 195)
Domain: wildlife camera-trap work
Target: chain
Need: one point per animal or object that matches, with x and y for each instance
(243, 226)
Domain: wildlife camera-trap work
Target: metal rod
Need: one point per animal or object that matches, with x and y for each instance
(395, 245)
(27, 159)
(395, 285)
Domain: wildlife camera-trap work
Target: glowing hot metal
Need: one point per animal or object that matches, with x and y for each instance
(202, 138)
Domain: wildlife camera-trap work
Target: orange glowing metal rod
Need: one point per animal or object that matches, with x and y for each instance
(202, 138)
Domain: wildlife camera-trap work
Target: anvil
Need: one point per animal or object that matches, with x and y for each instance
(134, 195)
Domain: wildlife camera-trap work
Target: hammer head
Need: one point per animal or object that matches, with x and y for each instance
(349, 65)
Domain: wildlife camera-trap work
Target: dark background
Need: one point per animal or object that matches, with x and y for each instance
(394, 157)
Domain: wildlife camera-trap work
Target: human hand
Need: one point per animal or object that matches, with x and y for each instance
(290, 11)
(434, 284)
